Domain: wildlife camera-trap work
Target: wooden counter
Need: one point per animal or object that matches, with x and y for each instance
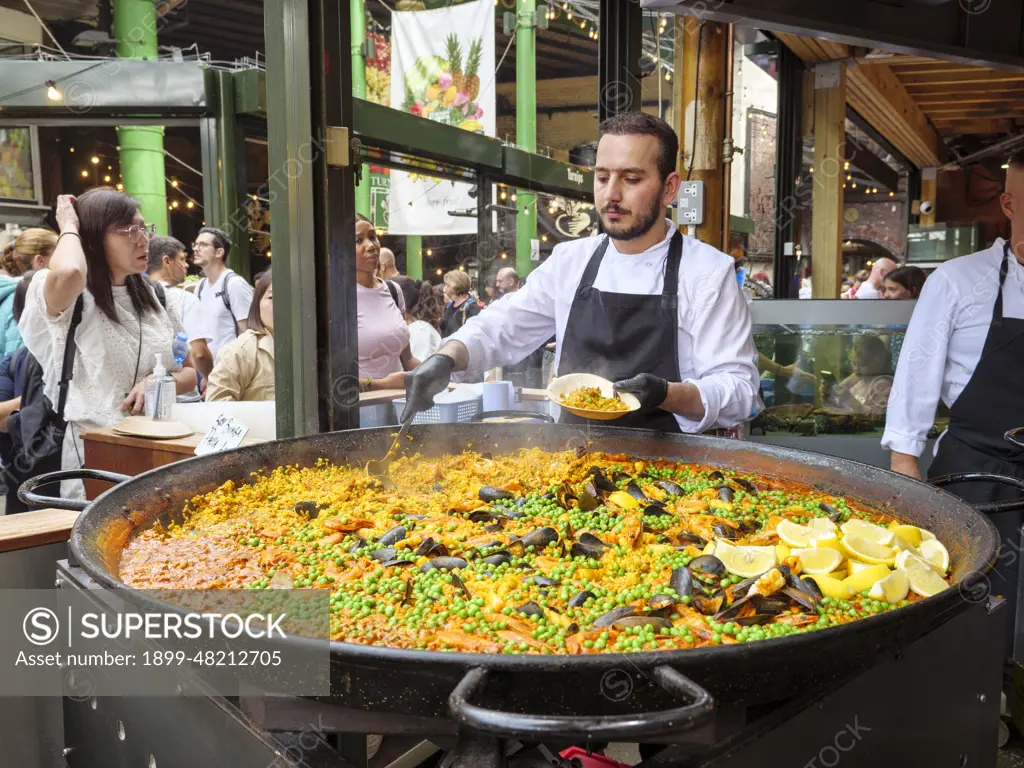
(36, 528)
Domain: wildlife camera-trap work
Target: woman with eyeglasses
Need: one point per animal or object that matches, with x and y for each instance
(97, 273)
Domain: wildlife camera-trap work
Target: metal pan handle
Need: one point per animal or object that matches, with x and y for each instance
(617, 727)
(987, 507)
(27, 495)
(532, 415)
(1012, 437)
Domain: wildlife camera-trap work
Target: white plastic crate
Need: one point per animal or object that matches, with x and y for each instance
(444, 413)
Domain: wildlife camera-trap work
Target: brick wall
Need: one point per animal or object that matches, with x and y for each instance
(882, 223)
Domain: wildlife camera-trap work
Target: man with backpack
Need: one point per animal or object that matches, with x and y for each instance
(168, 265)
(224, 295)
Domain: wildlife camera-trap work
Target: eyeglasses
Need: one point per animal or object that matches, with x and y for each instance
(136, 232)
(197, 246)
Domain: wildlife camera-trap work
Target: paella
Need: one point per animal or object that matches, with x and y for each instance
(546, 552)
(591, 399)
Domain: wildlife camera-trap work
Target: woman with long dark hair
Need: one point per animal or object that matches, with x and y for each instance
(904, 283)
(97, 273)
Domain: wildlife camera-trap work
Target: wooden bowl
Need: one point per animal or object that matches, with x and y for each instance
(563, 385)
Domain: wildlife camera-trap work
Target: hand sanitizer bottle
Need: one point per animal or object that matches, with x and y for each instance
(160, 392)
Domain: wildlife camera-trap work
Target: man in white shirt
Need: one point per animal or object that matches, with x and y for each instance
(965, 345)
(168, 265)
(224, 295)
(872, 287)
(658, 313)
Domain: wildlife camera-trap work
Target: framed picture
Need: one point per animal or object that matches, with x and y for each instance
(20, 178)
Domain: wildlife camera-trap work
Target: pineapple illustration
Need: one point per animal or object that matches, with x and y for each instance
(453, 51)
(471, 80)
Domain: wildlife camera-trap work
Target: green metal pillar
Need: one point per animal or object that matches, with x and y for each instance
(141, 148)
(526, 127)
(234, 216)
(357, 13)
(414, 256)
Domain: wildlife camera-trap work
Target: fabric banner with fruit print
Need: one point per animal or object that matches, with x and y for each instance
(442, 69)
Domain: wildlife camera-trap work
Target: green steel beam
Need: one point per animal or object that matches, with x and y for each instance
(141, 148)
(286, 28)
(741, 225)
(250, 92)
(229, 173)
(542, 174)
(357, 20)
(414, 256)
(526, 127)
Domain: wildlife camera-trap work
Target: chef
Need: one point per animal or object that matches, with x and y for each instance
(656, 312)
(965, 345)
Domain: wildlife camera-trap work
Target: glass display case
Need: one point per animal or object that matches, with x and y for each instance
(827, 371)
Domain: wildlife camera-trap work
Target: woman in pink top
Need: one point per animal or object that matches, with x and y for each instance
(384, 354)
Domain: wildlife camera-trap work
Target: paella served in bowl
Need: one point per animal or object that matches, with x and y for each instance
(542, 552)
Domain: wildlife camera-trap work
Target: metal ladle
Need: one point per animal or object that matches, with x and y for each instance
(379, 467)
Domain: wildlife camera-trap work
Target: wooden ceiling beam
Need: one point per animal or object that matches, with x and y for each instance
(983, 126)
(927, 101)
(961, 77)
(946, 89)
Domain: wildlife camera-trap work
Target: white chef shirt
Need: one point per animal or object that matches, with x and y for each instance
(220, 325)
(716, 351)
(944, 341)
(187, 306)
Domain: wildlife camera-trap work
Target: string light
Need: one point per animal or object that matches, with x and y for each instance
(892, 194)
(668, 76)
(875, 190)
(269, 254)
(504, 255)
(846, 166)
(106, 179)
(174, 204)
(503, 195)
(461, 268)
(51, 91)
(174, 183)
(190, 205)
(430, 252)
(812, 169)
(120, 187)
(85, 174)
(110, 167)
(514, 197)
(71, 149)
(854, 185)
(439, 272)
(544, 238)
(94, 160)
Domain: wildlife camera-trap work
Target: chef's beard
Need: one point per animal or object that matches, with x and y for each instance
(641, 225)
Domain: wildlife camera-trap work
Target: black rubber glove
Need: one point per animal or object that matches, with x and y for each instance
(649, 389)
(423, 382)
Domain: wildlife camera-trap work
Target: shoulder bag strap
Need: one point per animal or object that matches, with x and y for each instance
(67, 370)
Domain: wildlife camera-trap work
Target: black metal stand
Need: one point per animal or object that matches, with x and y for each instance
(935, 704)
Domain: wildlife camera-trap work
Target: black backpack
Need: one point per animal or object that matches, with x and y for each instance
(35, 432)
(223, 295)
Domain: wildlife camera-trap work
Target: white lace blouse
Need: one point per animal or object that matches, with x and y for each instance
(105, 360)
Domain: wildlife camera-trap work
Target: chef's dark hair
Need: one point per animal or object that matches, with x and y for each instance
(642, 124)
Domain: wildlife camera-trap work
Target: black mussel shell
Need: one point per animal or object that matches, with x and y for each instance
(682, 581)
(741, 588)
(588, 545)
(310, 508)
(393, 536)
(724, 531)
(601, 482)
(634, 490)
(494, 527)
(391, 563)
(716, 477)
(572, 629)
(749, 526)
(707, 565)
(800, 597)
(661, 601)
(484, 516)
(648, 529)
(548, 496)
(686, 539)
(656, 510)
(787, 574)
(755, 618)
(771, 605)
(530, 609)
(489, 493)
(540, 538)
(709, 603)
(592, 541)
(833, 514)
(580, 598)
(642, 621)
(746, 485)
(588, 499)
(725, 493)
(438, 487)
(619, 476)
(360, 542)
(543, 581)
(809, 587)
(449, 563)
(609, 618)
(458, 583)
(514, 514)
(385, 554)
(498, 558)
(521, 501)
(429, 547)
(730, 612)
(566, 496)
(671, 488)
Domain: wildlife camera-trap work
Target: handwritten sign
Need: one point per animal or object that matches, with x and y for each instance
(225, 434)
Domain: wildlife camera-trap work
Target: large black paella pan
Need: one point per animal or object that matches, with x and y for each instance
(536, 694)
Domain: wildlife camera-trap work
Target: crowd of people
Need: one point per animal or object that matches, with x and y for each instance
(885, 280)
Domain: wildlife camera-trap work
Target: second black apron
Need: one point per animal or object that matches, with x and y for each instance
(621, 335)
(989, 405)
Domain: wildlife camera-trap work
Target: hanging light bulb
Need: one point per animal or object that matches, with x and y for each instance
(51, 91)
(190, 205)
(544, 238)
(892, 194)
(174, 204)
(174, 183)
(269, 254)
(514, 198)
(668, 76)
(846, 166)
(94, 160)
(854, 185)
(439, 272)
(106, 179)
(71, 149)
(120, 187)
(430, 252)
(504, 255)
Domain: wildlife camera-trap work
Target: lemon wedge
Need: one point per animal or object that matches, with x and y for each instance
(924, 579)
(935, 553)
(782, 551)
(865, 530)
(818, 561)
(747, 561)
(822, 525)
(891, 588)
(856, 566)
(829, 540)
(709, 549)
(623, 500)
(926, 534)
(909, 533)
(796, 535)
(865, 579)
(841, 574)
(834, 588)
(867, 551)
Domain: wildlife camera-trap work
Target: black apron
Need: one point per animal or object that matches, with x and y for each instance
(989, 405)
(621, 335)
